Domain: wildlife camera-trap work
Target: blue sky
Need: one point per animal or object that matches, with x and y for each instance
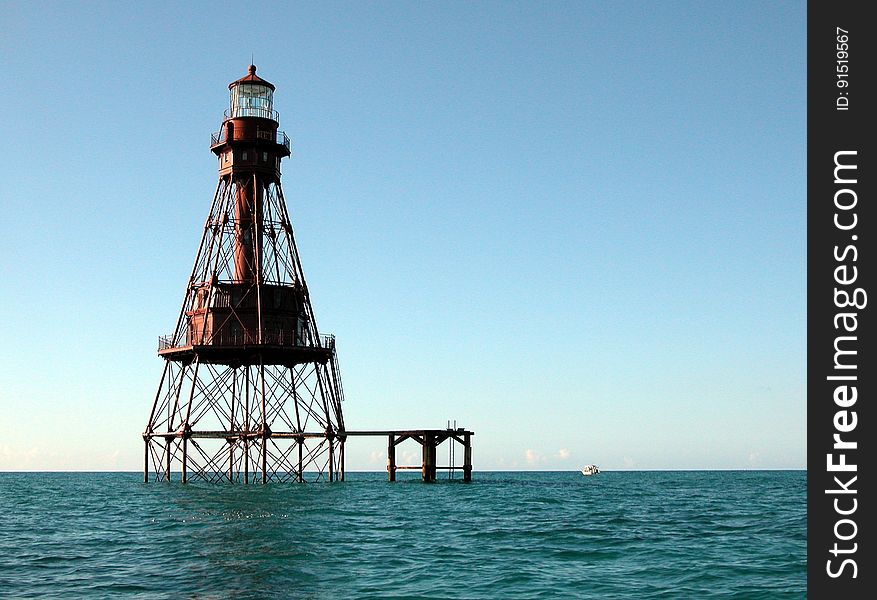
(577, 228)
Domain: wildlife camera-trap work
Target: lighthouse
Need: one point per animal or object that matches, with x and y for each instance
(250, 389)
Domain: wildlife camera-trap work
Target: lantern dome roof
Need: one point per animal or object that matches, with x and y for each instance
(251, 78)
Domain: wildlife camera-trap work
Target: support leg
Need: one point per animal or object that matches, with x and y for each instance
(301, 475)
(185, 457)
(264, 459)
(431, 456)
(167, 457)
(246, 461)
(264, 414)
(391, 458)
(467, 457)
(341, 458)
(146, 460)
(427, 452)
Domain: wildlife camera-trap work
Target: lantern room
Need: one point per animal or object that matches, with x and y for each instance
(251, 96)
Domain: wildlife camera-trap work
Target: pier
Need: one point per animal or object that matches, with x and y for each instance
(429, 440)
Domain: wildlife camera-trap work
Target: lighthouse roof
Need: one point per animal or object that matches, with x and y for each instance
(251, 78)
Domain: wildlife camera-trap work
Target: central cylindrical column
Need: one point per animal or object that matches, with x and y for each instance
(248, 234)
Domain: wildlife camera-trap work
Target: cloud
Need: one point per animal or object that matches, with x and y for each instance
(409, 458)
(531, 457)
(563, 454)
(377, 457)
(31, 459)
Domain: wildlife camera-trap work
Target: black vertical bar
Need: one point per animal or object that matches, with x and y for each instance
(301, 475)
(168, 440)
(840, 265)
(424, 460)
(467, 457)
(341, 457)
(331, 459)
(146, 441)
(391, 458)
(185, 476)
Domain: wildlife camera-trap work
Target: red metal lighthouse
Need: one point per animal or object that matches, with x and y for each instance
(250, 391)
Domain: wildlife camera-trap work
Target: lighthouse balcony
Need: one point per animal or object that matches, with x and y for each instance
(223, 346)
(271, 135)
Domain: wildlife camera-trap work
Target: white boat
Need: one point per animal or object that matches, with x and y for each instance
(590, 470)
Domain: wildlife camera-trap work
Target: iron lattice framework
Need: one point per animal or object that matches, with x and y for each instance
(250, 391)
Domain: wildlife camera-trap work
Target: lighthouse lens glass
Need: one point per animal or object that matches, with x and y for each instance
(251, 101)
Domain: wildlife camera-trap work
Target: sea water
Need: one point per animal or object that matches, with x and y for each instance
(674, 534)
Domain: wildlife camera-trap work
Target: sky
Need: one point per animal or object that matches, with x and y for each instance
(577, 229)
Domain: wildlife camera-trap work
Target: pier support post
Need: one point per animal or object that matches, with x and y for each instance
(146, 460)
(391, 458)
(467, 457)
(429, 452)
(424, 457)
(433, 450)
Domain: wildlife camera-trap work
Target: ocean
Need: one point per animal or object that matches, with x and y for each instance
(638, 535)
